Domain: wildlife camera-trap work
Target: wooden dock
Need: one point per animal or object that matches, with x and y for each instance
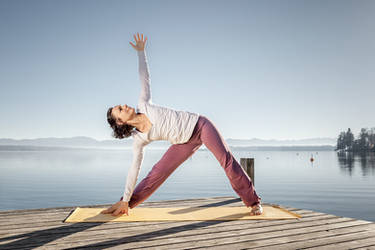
(45, 229)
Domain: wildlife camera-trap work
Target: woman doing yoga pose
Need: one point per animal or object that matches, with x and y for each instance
(185, 130)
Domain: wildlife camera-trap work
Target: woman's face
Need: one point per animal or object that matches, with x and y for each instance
(122, 114)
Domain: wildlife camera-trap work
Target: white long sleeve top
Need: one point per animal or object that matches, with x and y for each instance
(167, 124)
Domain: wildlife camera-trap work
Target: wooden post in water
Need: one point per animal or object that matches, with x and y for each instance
(248, 165)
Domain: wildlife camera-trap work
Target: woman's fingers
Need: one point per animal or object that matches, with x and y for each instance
(116, 209)
(139, 38)
(120, 211)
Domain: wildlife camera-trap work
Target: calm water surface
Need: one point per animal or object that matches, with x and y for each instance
(341, 185)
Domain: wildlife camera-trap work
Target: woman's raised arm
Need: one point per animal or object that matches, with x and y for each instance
(144, 74)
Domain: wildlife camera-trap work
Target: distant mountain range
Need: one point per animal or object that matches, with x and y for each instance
(87, 142)
(77, 141)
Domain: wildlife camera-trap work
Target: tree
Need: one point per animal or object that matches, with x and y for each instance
(371, 139)
(349, 139)
(341, 141)
(363, 141)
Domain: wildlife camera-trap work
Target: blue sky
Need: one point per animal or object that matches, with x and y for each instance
(264, 69)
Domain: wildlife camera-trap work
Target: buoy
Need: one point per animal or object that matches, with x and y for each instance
(312, 158)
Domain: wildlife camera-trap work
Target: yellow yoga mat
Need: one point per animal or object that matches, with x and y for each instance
(270, 212)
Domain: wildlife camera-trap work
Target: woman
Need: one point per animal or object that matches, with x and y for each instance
(185, 130)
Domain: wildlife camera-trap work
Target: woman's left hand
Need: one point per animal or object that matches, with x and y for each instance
(120, 207)
(140, 42)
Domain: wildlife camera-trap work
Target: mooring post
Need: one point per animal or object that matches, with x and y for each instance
(248, 165)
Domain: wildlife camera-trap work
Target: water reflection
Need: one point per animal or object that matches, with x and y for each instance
(348, 161)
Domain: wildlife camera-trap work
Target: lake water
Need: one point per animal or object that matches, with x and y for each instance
(343, 186)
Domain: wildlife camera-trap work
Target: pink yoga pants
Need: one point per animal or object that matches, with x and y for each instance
(204, 132)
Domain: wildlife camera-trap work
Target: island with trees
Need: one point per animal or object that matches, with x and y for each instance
(365, 141)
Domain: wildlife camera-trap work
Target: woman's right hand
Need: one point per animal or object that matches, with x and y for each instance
(140, 43)
(121, 207)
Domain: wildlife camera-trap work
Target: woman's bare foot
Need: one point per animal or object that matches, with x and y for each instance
(256, 209)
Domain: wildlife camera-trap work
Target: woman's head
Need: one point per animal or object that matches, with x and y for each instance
(117, 117)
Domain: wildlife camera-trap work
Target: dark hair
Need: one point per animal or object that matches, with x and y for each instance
(119, 131)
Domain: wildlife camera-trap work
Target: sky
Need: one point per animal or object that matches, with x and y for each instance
(257, 69)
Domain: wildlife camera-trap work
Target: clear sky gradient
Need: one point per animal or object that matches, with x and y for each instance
(264, 69)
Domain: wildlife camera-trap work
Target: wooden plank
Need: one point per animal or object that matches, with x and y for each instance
(367, 247)
(185, 236)
(50, 232)
(349, 241)
(229, 240)
(302, 240)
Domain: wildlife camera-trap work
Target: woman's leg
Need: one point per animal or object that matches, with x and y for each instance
(174, 157)
(238, 178)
